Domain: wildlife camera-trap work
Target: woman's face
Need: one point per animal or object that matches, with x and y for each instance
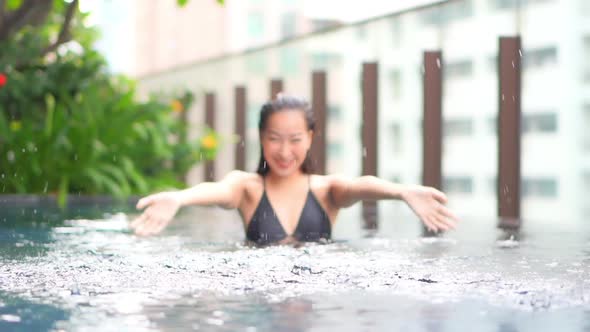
(285, 141)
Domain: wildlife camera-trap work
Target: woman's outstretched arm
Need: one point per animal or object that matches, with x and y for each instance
(426, 202)
(160, 208)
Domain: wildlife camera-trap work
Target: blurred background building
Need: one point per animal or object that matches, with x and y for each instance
(207, 47)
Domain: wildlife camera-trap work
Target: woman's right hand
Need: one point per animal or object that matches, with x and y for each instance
(159, 210)
(429, 205)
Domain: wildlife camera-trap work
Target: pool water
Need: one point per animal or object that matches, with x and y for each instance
(82, 269)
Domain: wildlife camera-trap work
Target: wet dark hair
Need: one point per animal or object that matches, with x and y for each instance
(280, 104)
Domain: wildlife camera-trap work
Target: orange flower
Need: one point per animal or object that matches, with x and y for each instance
(209, 142)
(177, 106)
(15, 125)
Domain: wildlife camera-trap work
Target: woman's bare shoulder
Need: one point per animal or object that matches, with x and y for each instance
(329, 179)
(244, 178)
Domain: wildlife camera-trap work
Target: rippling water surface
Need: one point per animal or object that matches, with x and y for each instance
(84, 270)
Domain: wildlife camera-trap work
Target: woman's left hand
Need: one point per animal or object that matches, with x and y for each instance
(429, 205)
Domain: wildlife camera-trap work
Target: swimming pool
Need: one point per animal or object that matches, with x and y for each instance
(83, 270)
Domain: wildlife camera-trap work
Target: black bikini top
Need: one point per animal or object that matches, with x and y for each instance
(265, 227)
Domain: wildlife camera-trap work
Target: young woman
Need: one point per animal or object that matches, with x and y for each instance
(283, 202)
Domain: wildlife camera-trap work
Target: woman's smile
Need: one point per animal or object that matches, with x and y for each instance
(285, 164)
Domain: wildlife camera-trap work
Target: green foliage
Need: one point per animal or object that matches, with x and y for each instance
(183, 3)
(13, 4)
(69, 126)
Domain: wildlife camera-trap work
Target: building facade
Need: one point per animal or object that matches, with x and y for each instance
(555, 96)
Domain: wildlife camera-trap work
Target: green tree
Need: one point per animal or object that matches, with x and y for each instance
(69, 126)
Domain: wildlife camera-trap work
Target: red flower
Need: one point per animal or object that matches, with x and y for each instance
(3, 80)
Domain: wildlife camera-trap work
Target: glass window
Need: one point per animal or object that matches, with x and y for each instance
(396, 83)
(289, 61)
(586, 71)
(586, 133)
(493, 185)
(255, 25)
(508, 4)
(531, 187)
(539, 123)
(586, 185)
(321, 24)
(493, 63)
(532, 59)
(288, 25)
(504, 4)
(458, 184)
(458, 127)
(335, 149)
(539, 187)
(396, 31)
(396, 137)
(458, 69)
(493, 124)
(334, 112)
(586, 181)
(323, 60)
(531, 123)
(447, 12)
(252, 115)
(256, 63)
(539, 58)
(361, 32)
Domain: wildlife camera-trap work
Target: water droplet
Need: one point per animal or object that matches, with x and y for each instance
(520, 52)
(10, 156)
(364, 151)
(214, 321)
(502, 97)
(438, 62)
(10, 318)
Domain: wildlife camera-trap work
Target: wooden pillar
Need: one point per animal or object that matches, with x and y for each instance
(276, 86)
(319, 107)
(509, 141)
(210, 122)
(370, 87)
(240, 127)
(432, 128)
(432, 124)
